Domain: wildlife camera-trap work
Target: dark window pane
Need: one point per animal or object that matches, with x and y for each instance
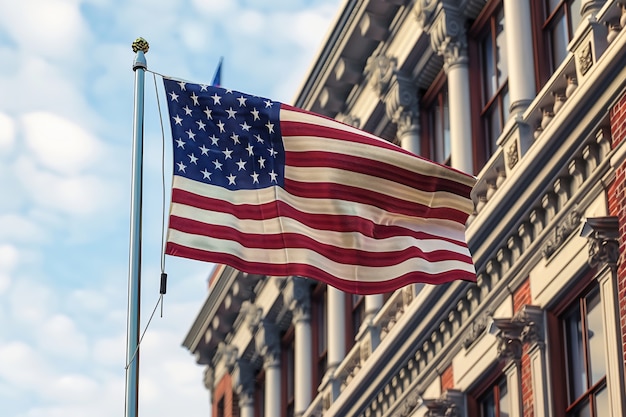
(504, 403)
(503, 71)
(559, 38)
(595, 335)
(575, 16)
(602, 403)
(489, 71)
(577, 375)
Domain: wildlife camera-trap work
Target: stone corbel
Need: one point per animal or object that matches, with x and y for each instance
(525, 327)
(602, 235)
(450, 404)
(380, 70)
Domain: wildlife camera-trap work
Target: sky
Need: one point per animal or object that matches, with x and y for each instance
(66, 124)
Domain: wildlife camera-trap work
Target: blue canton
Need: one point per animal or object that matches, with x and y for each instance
(225, 138)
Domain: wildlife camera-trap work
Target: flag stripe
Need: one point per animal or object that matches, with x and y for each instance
(316, 213)
(356, 285)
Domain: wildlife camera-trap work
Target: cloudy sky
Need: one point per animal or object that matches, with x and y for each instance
(66, 100)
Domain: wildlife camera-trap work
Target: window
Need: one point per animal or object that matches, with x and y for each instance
(495, 402)
(584, 356)
(494, 74)
(563, 17)
(356, 306)
(288, 372)
(436, 122)
(556, 22)
(319, 323)
(220, 408)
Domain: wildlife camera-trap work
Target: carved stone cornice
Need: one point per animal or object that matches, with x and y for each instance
(561, 232)
(267, 343)
(243, 380)
(379, 71)
(446, 26)
(401, 105)
(602, 235)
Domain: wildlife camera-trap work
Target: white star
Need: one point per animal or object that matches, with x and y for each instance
(216, 99)
(231, 179)
(201, 125)
(255, 177)
(231, 113)
(187, 110)
(270, 127)
(192, 135)
(203, 87)
(205, 150)
(208, 111)
(268, 103)
(193, 159)
(250, 149)
(229, 91)
(245, 126)
(273, 175)
(220, 124)
(181, 167)
(241, 164)
(217, 164)
(262, 162)
(182, 85)
(206, 174)
(214, 139)
(194, 97)
(235, 137)
(259, 138)
(174, 96)
(242, 101)
(272, 152)
(255, 114)
(180, 143)
(178, 120)
(227, 153)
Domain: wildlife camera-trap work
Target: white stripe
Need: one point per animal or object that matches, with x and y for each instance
(453, 230)
(340, 240)
(305, 256)
(379, 185)
(397, 158)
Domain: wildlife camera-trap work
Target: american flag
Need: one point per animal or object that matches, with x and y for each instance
(271, 189)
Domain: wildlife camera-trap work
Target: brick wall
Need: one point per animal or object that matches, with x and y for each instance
(521, 297)
(223, 392)
(447, 379)
(617, 206)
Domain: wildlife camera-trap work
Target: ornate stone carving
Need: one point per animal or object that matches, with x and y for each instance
(476, 328)
(561, 233)
(450, 404)
(585, 59)
(525, 327)
(602, 234)
(380, 70)
(512, 155)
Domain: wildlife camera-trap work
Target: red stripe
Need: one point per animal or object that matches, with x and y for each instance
(331, 222)
(297, 241)
(358, 287)
(295, 128)
(382, 201)
(376, 169)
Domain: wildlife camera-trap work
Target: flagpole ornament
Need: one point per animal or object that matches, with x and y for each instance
(141, 44)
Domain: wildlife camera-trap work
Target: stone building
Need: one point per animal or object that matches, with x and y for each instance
(528, 95)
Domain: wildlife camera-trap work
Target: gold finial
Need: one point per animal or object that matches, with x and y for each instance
(141, 44)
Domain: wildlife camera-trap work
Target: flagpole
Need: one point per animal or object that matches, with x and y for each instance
(140, 47)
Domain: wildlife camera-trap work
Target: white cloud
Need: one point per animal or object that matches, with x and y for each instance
(7, 133)
(60, 144)
(9, 257)
(59, 335)
(49, 28)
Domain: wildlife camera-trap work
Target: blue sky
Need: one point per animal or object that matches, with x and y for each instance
(66, 99)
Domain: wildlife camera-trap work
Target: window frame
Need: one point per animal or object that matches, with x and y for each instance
(432, 97)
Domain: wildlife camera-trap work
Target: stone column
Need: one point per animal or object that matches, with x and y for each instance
(336, 327)
(603, 234)
(519, 50)
(298, 295)
(448, 38)
(399, 94)
(267, 342)
(243, 384)
(402, 108)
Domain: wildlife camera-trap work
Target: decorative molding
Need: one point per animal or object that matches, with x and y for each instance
(476, 328)
(450, 404)
(512, 155)
(585, 58)
(525, 327)
(561, 232)
(379, 70)
(602, 234)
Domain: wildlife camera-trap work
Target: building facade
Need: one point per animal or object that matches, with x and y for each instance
(529, 96)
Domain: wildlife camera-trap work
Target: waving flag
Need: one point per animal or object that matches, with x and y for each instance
(271, 189)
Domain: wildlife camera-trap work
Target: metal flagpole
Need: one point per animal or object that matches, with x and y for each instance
(140, 47)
